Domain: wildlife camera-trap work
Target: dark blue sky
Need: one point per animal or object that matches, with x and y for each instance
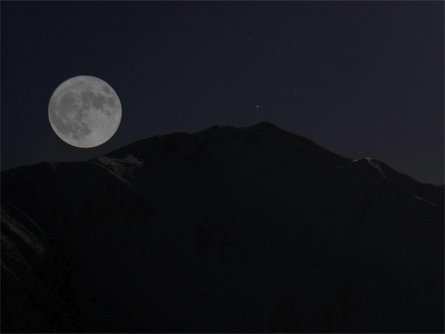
(359, 78)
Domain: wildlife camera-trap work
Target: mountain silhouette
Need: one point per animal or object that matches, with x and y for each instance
(250, 229)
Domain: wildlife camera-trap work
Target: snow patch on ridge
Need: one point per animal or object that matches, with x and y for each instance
(372, 163)
(120, 167)
(376, 166)
(424, 200)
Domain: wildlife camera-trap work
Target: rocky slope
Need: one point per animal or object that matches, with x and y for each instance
(230, 230)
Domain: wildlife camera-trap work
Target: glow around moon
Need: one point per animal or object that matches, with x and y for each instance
(84, 111)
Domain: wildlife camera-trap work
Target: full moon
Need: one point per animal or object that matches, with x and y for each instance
(84, 111)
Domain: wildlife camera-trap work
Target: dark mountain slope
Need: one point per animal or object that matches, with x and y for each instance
(240, 229)
(37, 293)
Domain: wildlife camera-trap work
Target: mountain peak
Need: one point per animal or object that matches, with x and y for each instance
(222, 141)
(265, 125)
(258, 126)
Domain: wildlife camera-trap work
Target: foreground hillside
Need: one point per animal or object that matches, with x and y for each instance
(225, 230)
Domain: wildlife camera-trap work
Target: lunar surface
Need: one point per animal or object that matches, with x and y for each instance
(84, 111)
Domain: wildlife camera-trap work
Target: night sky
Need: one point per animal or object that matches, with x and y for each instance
(359, 78)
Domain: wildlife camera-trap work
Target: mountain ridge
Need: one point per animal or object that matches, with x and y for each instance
(211, 131)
